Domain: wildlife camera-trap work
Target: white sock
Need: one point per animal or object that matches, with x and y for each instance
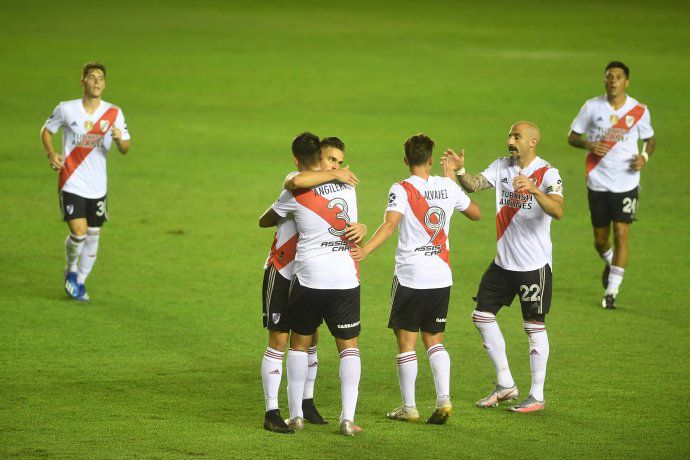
(538, 356)
(440, 367)
(73, 246)
(88, 254)
(495, 346)
(297, 374)
(350, 371)
(407, 376)
(615, 279)
(271, 374)
(312, 363)
(607, 256)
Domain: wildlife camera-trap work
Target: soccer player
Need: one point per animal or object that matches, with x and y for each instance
(277, 274)
(529, 193)
(325, 284)
(89, 126)
(613, 125)
(421, 207)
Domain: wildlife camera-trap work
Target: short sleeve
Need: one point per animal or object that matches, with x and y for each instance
(581, 121)
(462, 201)
(285, 204)
(121, 124)
(490, 173)
(644, 126)
(397, 199)
(56, 119)
(552, 184)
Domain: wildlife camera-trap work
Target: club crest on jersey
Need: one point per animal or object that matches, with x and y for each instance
(275, 317)
(104, 125)
(69, 208)
(629, 121)
(88, 125)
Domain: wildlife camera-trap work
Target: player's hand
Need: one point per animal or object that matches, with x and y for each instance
(55, 161)
(358, 253)
(117, 134)
(356, 232)
(456, 161)
(523, 184)
(346, 176)
(637, 163)
(599, 148)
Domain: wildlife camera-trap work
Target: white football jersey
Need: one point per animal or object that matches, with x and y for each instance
(86, 139)
(523, 229)
(321, 215)
(621, 129)
(422, 257)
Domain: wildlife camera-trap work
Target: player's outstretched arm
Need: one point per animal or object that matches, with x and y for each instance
(454, 167)
(356, 232)
(269, 218)
(309, 179)
(389, 225)
(54, 159)
(473, 212)
(598, 148)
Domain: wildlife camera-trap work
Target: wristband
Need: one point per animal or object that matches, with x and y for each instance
(460, 172)
(645, 155)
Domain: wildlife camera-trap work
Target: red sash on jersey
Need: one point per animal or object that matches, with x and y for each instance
(420, 207)
(506, 214)
(79, 154)
(626, 123)
(284, 254)
(319, 205)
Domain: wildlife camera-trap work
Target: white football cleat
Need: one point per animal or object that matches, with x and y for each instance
(499, 394)
(404, 414)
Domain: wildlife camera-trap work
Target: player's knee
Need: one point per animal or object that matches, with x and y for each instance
(278, 340)
(534, 317)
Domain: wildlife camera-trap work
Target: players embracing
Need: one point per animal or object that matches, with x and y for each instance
(529, 193)
(325, 280)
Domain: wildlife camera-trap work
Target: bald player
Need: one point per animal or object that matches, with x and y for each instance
(529, 193)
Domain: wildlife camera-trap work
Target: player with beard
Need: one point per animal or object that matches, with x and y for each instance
(278, 271)
(613, 124)
(529, 193)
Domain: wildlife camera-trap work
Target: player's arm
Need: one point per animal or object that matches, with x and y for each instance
(454, 167)
(54, 158)
(473, 212)
(122, 145)
(269, 218)
(551, 203)
(389, 225)
(309, 179)
(356, 232)
(648, 147)
(598, 148)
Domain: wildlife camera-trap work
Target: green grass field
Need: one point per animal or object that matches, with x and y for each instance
(164, 362)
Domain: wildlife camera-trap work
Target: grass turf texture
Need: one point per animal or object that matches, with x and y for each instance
(165, 360)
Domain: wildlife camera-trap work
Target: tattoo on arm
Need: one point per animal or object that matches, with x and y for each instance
(473, 183)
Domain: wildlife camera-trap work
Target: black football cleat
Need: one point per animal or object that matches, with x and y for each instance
(273, 421)
(441, 413)
(605, 276)
(310, 413)
(609, 302)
